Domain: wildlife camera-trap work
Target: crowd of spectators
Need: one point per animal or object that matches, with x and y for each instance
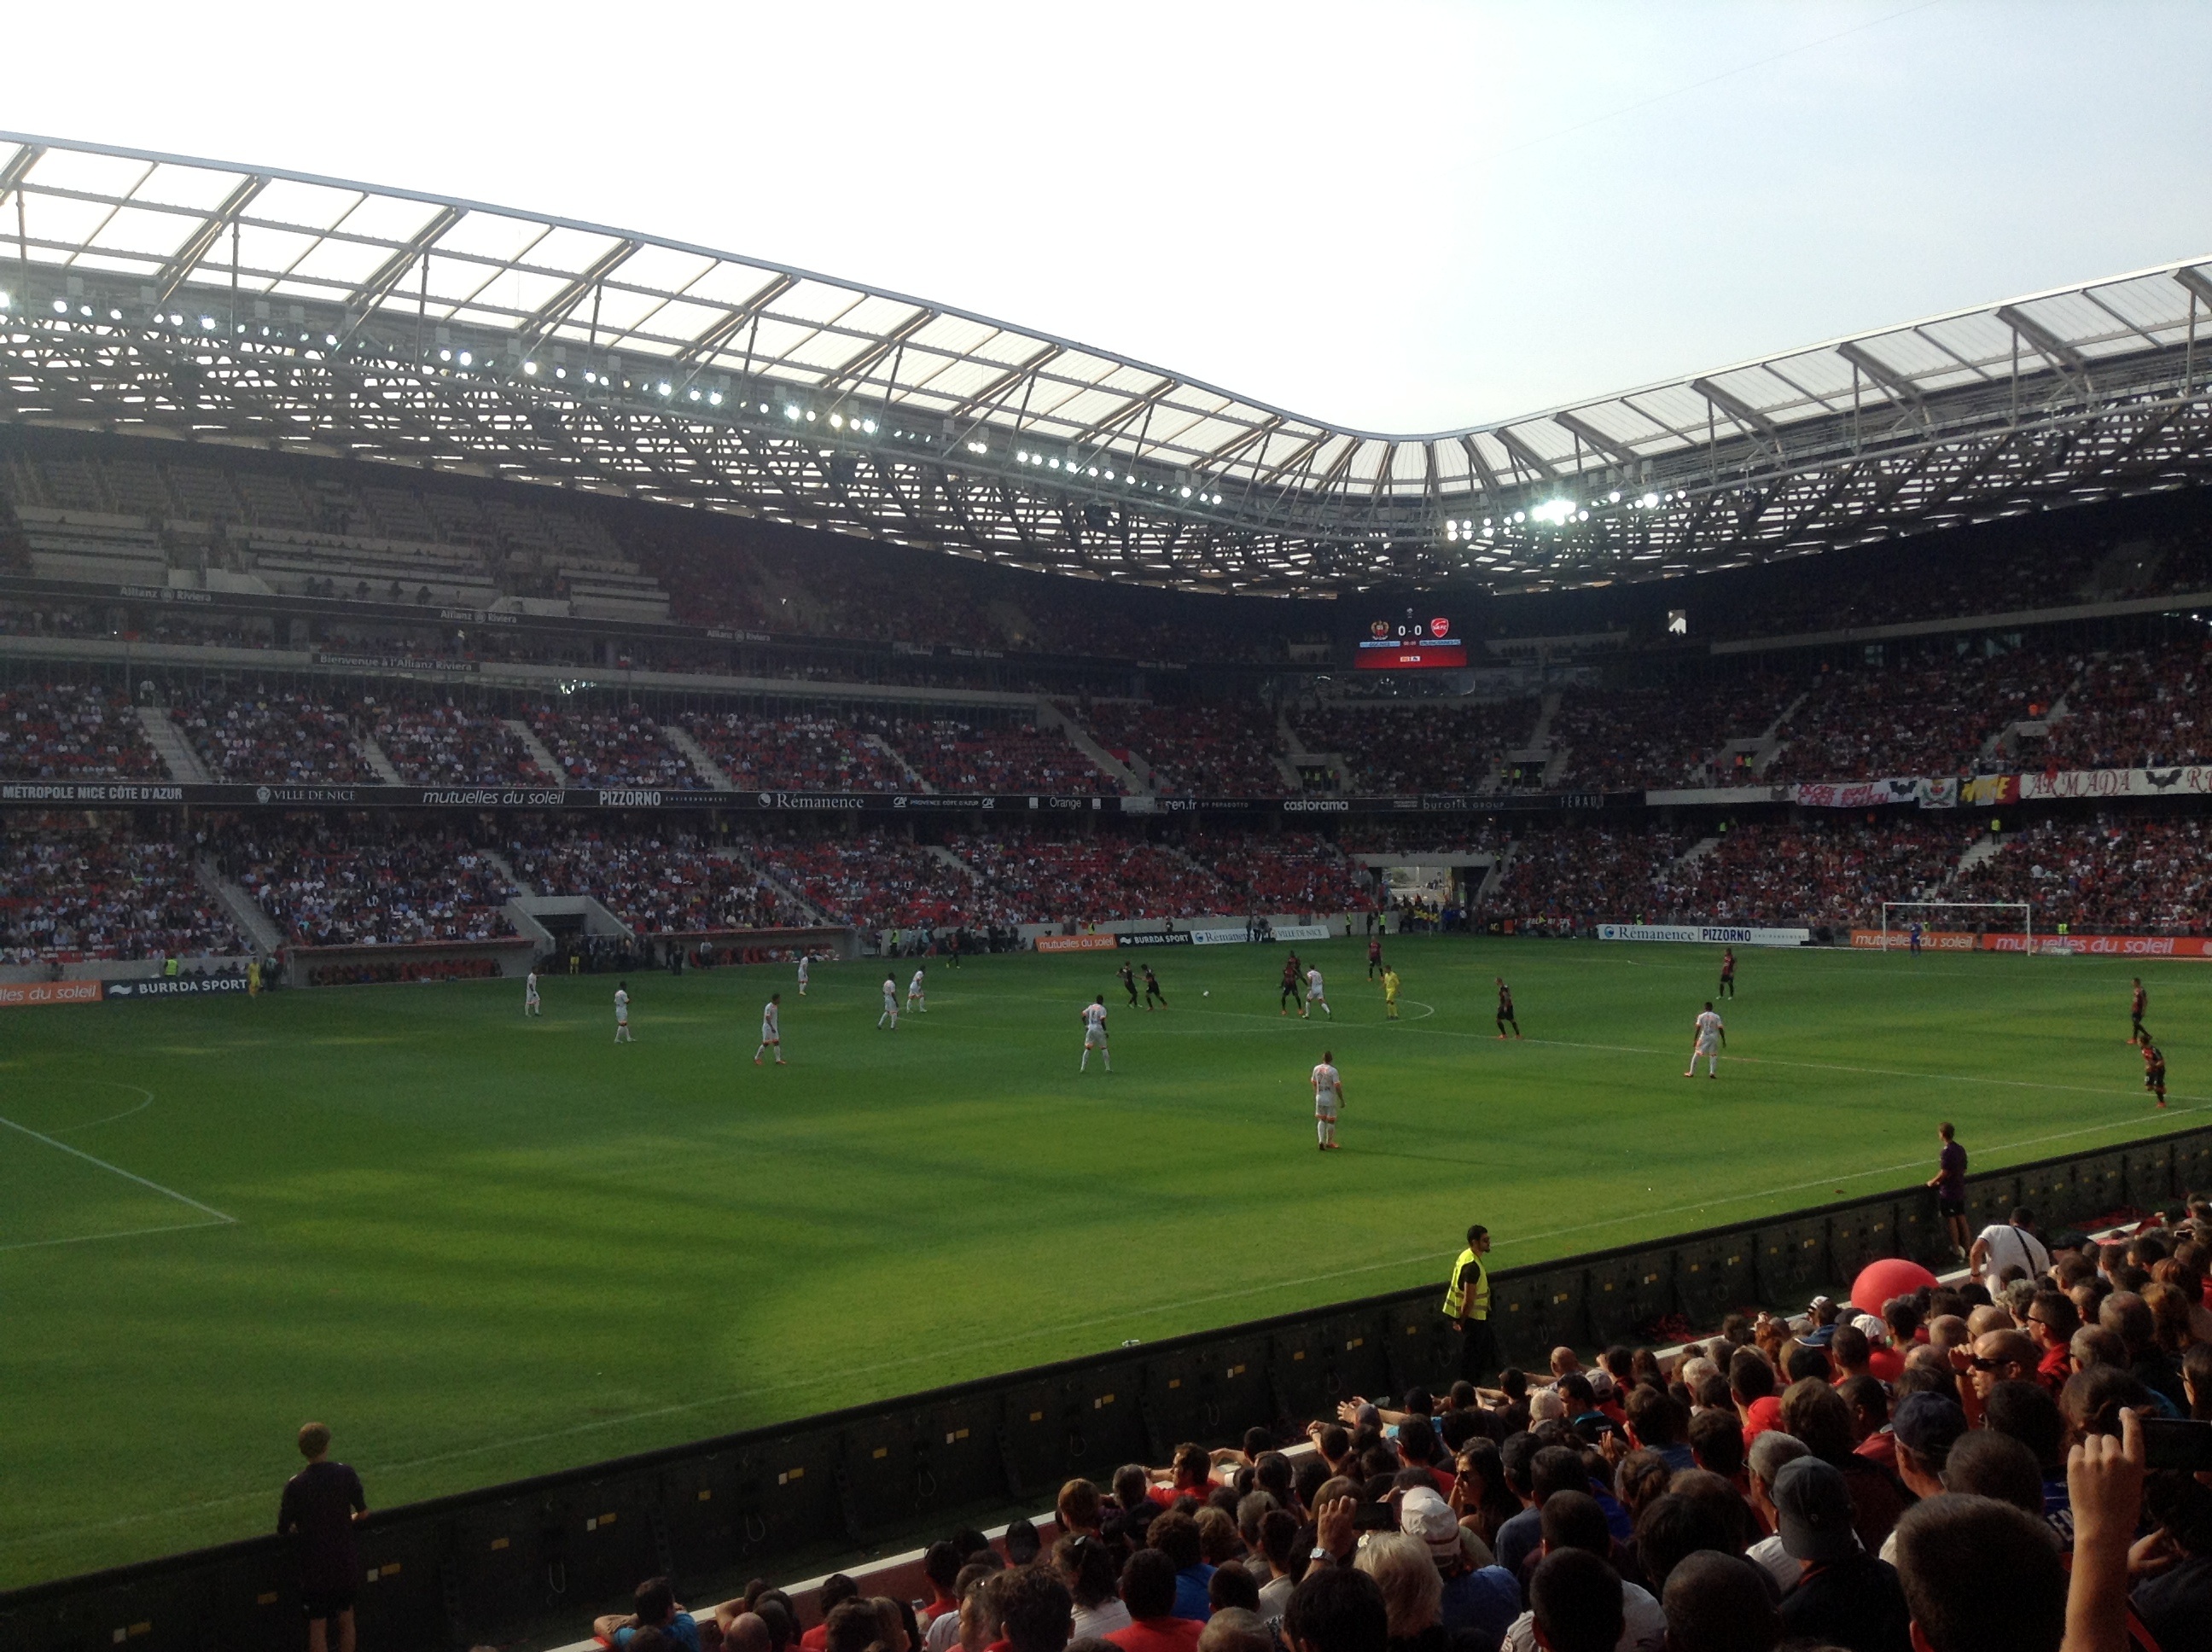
(435, 744)
(1817, 871)
(1431, 746)
(2135, 709)
(1965, 1471)
(1295, 871)
(70, 891)
(1929, 717)
(272, 735)
(955, 756)
(1664, 736)
(812, 752)
(72, 732)
(876, 882)
(365, 880)
(1101, 879)
(2148, 875)
(657, 879)
(613, 749)
(1561, 880)
(1225, 751)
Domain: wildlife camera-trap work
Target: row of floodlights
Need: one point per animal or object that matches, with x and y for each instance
(1107, 473)
(1552, 514)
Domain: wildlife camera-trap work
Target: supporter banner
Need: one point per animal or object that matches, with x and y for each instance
(2104, 946)
(1856, 794)
(1938, 795)
(1075, 942)
(2118, 782)
(1710, 934)
(178, 986)
(1933, 940)
(1986, 790)
(39, 994)
(1156, 938)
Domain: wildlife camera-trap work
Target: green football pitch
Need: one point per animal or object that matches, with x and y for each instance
(482, 1247)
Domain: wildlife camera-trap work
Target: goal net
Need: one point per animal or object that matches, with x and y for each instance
(1957, 926)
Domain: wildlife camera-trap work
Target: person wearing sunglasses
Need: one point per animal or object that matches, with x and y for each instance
(1993, 1357)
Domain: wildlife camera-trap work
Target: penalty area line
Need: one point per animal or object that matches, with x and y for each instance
(216, 1217)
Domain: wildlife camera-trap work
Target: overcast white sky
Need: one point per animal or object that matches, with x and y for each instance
(1399, 216)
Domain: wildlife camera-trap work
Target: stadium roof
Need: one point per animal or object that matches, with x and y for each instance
(168, 296)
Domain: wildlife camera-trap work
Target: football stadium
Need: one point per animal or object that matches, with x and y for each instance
(787, 964)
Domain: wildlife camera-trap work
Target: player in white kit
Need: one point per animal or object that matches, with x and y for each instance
(530, 1004)
(1711, 1035)
(916, 1002)
(1094, 1034)
(621, 1015)
(802, 974)
(1314, 995)
(1328, 1097)
(771, 1031)
(889, 1016)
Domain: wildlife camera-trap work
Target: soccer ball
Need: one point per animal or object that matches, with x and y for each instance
(1206, 992)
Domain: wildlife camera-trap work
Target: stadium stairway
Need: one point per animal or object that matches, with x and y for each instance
(536, 747)
(877, 743)
(379, 759)
(1982, 848)
(505, 868)
(1697, 852)
(242, 909)
(1051, 716)
(694, 754)
(175, 752)
(1768, 746)
(954, 861)
(785, 887)
(1299, 756)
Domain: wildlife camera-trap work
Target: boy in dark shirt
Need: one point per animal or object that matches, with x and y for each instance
(320, 1504)
(2153, 1069)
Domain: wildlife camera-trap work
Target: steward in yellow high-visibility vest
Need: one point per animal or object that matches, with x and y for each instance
(1466, 1304)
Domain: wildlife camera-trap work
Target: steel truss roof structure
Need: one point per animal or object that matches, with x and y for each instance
(163, 295)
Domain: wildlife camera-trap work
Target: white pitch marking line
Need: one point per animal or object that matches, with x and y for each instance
(127, 1233)
(128, 1175)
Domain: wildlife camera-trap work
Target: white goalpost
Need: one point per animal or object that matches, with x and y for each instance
(1900, 932)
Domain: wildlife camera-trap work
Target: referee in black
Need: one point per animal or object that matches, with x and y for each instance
(1467, 1305)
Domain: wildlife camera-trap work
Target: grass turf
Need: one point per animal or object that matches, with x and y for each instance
(482, 1247)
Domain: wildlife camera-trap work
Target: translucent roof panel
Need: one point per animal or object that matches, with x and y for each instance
(1224, 480)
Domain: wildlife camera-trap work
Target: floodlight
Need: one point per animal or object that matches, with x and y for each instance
(663, 386)
(868, 426)
(117, 315)
(1185, 493)
(791, 413)
(443, 356)
(4, 299)
(1055, 464)
(695, 395)
(809, 415)
(330, 338)
(530, 369)
(61, 307)
(713, 398)
(466, 359)
(1613, 497)
(176, 320)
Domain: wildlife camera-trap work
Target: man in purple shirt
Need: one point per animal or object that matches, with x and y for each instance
(321, 1503)
(1949, 1182)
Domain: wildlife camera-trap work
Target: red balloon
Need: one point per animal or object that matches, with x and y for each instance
(1893, 1276)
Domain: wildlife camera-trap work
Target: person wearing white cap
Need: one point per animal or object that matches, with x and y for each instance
(1481, 1600)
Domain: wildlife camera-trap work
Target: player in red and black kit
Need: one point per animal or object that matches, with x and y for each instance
(1727, 972)
(1374, 956)
(1293, 976)
(1505, 1010)
(2138, 1001)
(2153, 1069)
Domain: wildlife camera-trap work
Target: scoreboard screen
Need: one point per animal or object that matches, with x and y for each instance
(1411, 644)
